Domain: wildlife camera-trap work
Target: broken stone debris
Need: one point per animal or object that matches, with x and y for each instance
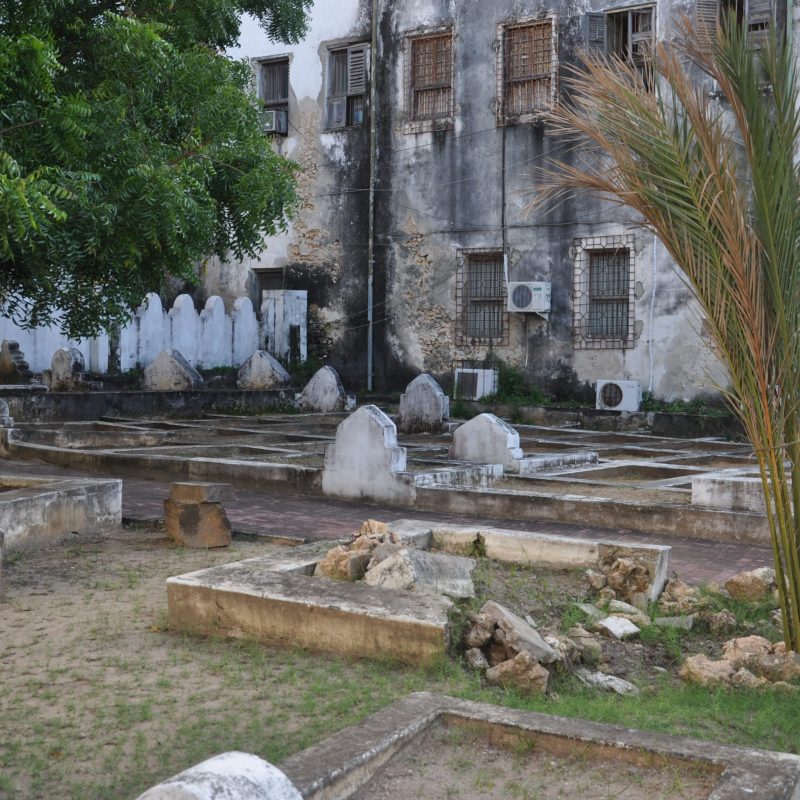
(476, 660)
(628, 577)
(749, 661)
(589, 648)
(423, 406)
(516, 635)
(753, 585)
(262, 371)
(422, 571)
(171, 372)
(617, 627)
(523, 673)
(680, 598)
(324, 392)
(198, 523)
(681, 623)
(611, 683)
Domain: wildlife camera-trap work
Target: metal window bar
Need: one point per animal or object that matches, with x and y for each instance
(528, 62)
(481, 299)
(603, 299)
(432, 76)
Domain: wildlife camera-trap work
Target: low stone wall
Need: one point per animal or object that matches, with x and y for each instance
(39, 406)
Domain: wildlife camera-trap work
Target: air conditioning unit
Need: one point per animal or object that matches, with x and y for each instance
(531, 297)
(619, 395)
(275, 121)
(472, 384)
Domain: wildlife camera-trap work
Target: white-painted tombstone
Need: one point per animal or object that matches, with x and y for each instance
(184, 324)
(171, 372)
(228, 776)
(216, 345)
(244, 330)
(66, 369)
(149, 323)
(423, 406)
(487, 439)
(364, 459)
(324, 392)
(262, 371)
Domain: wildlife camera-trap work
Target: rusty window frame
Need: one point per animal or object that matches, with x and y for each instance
(529, 63)
(431, 76)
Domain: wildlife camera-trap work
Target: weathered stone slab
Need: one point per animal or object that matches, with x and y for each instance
(753, 585)
(364, 459)
(228, 776)
(248, 598)
(423, 406)
(324, 392)
(611, 683)
(617, 627)
(519, 635)
(487, 439)
(170, 372)
(531, 547)
(200, 492)
(197, 525)
(66, 369)
(262, 371)
(425, 572)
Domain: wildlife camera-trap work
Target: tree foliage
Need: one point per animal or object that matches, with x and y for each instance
(130, 148)
(719, 185)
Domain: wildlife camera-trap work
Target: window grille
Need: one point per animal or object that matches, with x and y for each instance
(603, 299)
(481, 298)
(528, 61)
(432, 77)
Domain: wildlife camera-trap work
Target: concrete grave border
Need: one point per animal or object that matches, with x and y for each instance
(43, 509)
(337, 767)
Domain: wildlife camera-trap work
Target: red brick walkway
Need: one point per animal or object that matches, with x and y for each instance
(693, 560)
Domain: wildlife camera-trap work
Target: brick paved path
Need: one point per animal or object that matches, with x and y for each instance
(694, 560)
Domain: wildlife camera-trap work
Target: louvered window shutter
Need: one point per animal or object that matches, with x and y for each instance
(596, 34)
(760, 19)
(706, 14)
(356, 70)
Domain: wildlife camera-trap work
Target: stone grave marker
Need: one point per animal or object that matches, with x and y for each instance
(423, 406)
(66, 369)
(324, 392)
(171, 372)
(262, 371)
(487, 439)
(194, 516)
(6, 420)
(364, 459)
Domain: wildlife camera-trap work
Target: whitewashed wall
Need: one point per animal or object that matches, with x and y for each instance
(210, 338)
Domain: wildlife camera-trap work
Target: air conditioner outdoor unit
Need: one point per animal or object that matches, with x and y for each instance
(529, 297)
(275, 121)
(619, 395)
(472, 384)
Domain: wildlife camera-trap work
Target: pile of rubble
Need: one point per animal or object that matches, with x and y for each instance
(375, 557)
(751, 662)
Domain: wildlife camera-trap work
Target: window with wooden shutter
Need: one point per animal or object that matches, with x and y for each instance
(529, 68)
(431, 79)
(760, 16)
(596, 35)
(347, 86)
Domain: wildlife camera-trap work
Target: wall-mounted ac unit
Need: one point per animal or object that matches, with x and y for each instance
(472, 384)
(619, 395)
(532, 297)
(275, 120)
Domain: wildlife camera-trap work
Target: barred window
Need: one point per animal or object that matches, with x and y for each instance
(347, 86)
(603, 301)
(432, 77)
(275, 83)
(529, 59)
(483, 298)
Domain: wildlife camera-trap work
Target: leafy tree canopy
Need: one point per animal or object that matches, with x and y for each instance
(130, 148)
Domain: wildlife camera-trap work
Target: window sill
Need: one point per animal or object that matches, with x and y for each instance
(428, 125)
(534, 118)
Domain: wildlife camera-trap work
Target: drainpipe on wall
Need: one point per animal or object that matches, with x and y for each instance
(373, 158)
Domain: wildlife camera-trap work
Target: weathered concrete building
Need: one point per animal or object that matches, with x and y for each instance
(463, 267)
